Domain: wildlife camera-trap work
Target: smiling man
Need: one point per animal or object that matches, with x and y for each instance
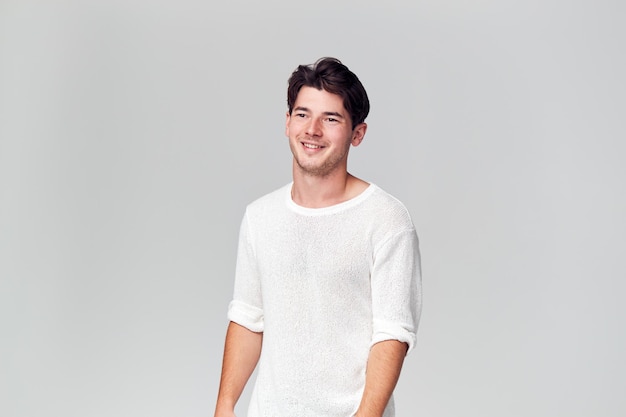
(327, 291)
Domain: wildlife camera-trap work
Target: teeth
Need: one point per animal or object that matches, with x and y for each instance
(308, 145)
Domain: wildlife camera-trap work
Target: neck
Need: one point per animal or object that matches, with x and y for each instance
(323, 191)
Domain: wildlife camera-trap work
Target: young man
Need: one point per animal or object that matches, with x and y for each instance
(327, 283)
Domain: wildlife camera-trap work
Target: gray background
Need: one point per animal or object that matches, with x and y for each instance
(133, 133)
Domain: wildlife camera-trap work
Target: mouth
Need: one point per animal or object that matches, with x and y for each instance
(312, 146)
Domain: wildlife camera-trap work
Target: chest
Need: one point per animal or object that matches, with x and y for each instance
(315, 254)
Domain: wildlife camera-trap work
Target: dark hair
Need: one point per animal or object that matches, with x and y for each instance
(331, 75)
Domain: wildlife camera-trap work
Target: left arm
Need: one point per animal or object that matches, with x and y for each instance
(396, 306)
(383, 370)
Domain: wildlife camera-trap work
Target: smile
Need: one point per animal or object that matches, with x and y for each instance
(311, 146)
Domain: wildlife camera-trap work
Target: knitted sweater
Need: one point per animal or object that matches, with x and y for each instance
(324, 285)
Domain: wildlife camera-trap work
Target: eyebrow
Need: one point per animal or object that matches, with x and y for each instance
(326, 113)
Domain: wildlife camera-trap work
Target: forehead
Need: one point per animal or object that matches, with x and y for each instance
(319, 100)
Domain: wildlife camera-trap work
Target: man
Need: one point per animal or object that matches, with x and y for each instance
(327, 283)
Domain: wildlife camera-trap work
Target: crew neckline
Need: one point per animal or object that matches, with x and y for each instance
(309, 211)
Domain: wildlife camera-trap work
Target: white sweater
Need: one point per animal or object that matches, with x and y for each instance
(324, 285)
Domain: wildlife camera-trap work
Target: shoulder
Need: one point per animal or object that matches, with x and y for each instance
(269, 202)
(388, 209)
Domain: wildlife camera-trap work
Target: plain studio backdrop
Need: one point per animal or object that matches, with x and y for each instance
(133, 134)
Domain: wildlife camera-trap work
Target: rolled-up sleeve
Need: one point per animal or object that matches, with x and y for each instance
(397, 289)
(246, 308)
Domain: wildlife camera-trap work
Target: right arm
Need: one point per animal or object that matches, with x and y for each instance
(241, 354)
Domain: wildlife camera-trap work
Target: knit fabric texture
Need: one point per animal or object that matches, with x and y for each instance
(324, 285)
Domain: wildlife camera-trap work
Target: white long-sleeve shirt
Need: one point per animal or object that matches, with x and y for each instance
(324, 285)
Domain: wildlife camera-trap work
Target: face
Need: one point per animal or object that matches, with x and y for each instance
(320, 133)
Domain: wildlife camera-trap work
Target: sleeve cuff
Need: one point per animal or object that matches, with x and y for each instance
(393, 331)
(246, 315)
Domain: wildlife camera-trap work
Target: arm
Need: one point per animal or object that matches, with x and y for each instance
(241, 354)
(383, 370)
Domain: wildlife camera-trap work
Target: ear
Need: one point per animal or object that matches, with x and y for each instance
(288, 117)
(358, 133)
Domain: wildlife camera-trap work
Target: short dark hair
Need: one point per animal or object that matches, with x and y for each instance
(331, 75)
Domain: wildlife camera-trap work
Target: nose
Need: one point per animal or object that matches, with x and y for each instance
(314, 128)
